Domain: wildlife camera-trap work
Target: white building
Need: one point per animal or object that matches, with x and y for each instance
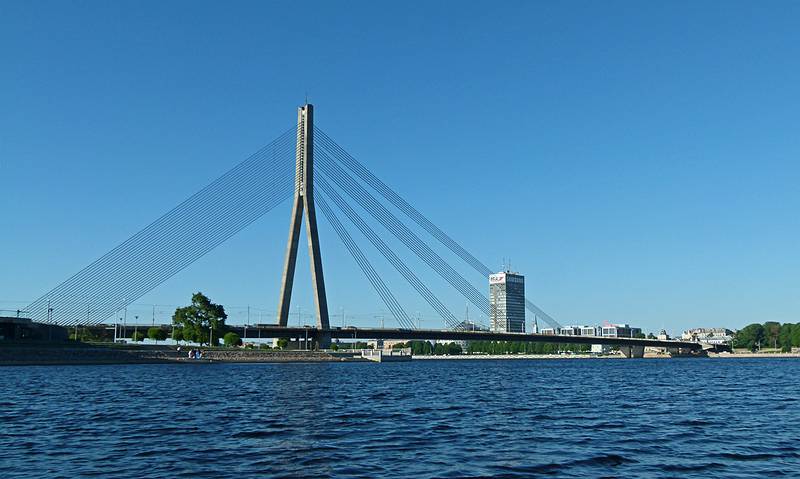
(601, 349)
(589, 331)
(619, 331)
(708, 335)
(569, 331)
(578, 330)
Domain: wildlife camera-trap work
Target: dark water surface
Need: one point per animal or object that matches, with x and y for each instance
(560, 418)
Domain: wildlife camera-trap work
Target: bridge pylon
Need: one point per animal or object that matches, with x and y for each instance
(304, 202)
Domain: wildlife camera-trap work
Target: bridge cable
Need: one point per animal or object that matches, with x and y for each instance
(121, 253)
(398, 229)
(166, 241)
(167, 268)
(366, 267)
(368, 177)
(177, 238)
(144, 235)
(424, 253)
(387, 253)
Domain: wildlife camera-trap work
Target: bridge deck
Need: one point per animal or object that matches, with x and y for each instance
(269, 331)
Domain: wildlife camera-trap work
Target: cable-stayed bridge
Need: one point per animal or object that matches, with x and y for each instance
(324, 175)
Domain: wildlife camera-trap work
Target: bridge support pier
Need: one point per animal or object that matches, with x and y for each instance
(322, 340)
(632, 351)
(304, 203)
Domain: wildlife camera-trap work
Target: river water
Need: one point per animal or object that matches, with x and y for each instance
(511, 419)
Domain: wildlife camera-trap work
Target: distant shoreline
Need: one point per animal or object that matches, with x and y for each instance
(754, 355)
(476, 357)
(81, 355)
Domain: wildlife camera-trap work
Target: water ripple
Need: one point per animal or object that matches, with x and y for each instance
(427, 419)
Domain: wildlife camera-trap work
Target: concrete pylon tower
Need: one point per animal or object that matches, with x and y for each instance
(304, 201)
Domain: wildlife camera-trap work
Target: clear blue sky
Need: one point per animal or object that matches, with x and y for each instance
(637, 161)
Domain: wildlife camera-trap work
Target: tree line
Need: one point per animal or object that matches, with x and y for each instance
(426, 348)
(768, 335)
(523, 347)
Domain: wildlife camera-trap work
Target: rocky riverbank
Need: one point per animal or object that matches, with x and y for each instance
(261, 356)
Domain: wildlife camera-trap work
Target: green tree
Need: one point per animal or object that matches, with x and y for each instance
(137, 336)
(785, 337)
(796, 336)
(232, 339)
(772, 330)
(749, 337)
(420, 348)
(453, 349)
(156, 334)
(282, 343)
(201, 318)
(177, 334)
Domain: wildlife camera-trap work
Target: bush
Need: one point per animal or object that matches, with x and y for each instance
(156, 334)
(232, 339)
(282, 343)
(137, 336)
(264, 346)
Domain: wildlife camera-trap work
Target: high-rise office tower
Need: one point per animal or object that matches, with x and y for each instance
(507, 302)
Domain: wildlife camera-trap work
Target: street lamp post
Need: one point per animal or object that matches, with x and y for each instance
(49, 321)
